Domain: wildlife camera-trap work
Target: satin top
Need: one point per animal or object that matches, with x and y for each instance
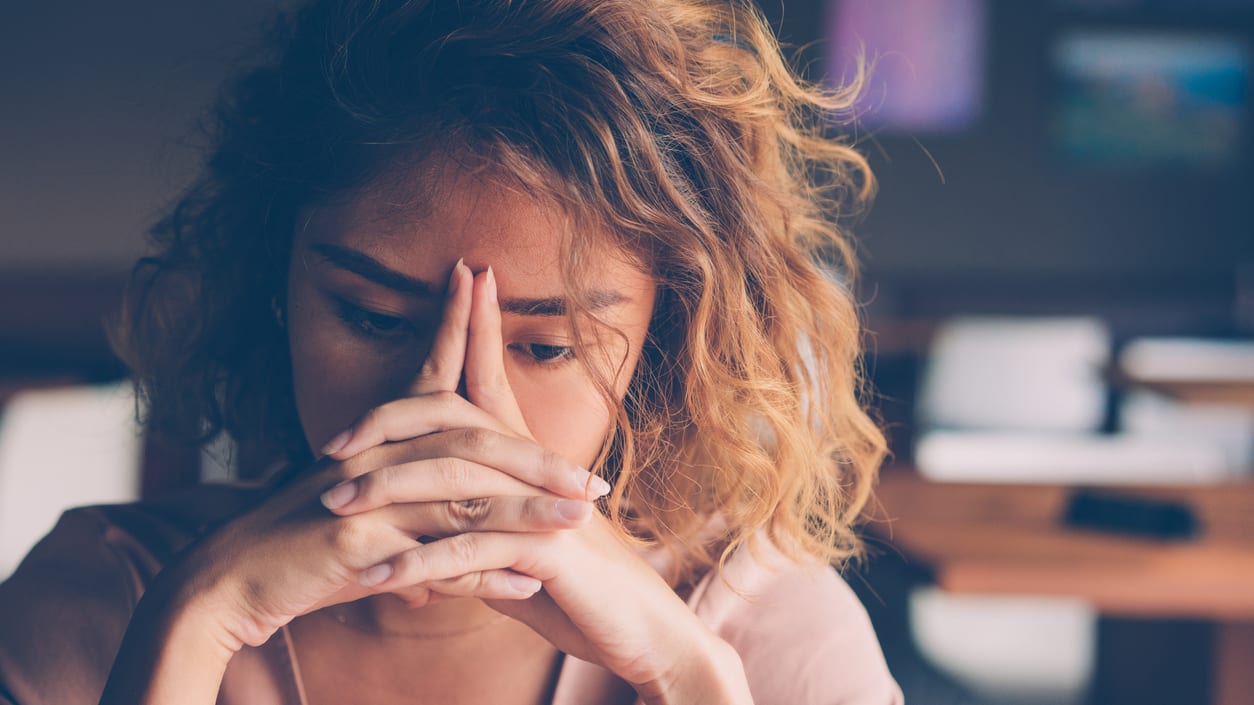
(801, 633)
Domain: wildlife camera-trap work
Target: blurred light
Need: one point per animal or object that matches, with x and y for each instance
(1141, 98)
(928, 61)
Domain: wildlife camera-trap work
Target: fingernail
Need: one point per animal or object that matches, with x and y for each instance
(586, 482)
(491, 281)
(600, 487)
(454, 279)
(373, 576)
(336, 444)
(338, 496)
(572, 509)
(523, 584)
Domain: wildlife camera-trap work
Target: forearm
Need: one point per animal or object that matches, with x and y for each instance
(173, 653)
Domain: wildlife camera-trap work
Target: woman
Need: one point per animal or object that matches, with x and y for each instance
(523, 301)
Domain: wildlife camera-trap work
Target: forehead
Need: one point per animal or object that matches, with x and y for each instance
(422, 222)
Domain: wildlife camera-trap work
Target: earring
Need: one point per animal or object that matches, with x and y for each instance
(277, 309)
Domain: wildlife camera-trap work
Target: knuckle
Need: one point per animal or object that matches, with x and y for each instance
(477, 439)
(463, 550)
(349, 535)
(468, 514)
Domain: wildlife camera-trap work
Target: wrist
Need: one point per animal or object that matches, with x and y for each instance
(200, 589)
(708, 672)
(173, 652)
(185, 606)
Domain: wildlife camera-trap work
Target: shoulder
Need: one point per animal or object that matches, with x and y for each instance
(139, 537)
(63, 612)
(802, 633)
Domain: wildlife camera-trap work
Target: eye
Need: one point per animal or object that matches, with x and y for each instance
(542, 354)
(369, 324)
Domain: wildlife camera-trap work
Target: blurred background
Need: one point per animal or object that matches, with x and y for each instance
(1058, 283)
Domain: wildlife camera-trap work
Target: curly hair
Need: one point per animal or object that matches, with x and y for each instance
(675, 126)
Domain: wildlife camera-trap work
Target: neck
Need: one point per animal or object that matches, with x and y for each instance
(387, 650)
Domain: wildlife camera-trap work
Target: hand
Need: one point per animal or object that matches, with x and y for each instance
(601, 601)
(290, 556)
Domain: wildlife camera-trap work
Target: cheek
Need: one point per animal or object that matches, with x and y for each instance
(565, 409)
(569, 416)
(334, 382)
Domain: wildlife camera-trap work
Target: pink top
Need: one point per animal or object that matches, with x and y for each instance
(802, 634)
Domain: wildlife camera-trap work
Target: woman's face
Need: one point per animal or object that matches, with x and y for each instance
(366, 288)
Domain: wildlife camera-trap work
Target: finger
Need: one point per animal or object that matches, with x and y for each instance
(459, 555)
(416, 596)
(487, 385)
(442, 370)
(428, 480)
(504, 593)
(453, 455)
(508, 514)
(410, 417)
(524, 460)
(487, 585)
(543, 609)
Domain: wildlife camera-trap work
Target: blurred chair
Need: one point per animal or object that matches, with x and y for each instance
(59, 448)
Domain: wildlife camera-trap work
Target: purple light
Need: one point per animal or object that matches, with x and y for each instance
(928, 61)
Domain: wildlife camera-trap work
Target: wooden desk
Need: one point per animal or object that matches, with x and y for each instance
(1227, 392)
(1008, 539)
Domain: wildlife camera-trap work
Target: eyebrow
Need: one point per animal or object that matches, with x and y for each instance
(556, 305)
(369, 268)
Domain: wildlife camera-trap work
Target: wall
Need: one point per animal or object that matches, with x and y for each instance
(994, 209)
(95, 101)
